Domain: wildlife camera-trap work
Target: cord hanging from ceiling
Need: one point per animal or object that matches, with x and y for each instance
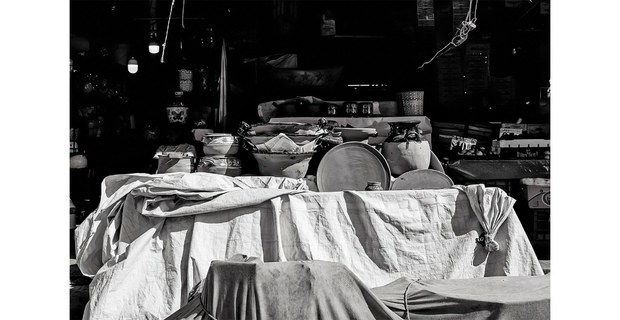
(183, 15)
(163, 50)
(466, 26)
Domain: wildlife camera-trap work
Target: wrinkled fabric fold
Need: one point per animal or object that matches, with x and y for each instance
(166, 195)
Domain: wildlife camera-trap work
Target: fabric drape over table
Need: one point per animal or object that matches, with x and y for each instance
(153, 237)
(313, 290)
(309, 290)
(490, 298)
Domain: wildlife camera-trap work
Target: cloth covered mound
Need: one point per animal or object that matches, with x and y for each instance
(153, 237)
(490, 298)
(251, 289)
(282, 290)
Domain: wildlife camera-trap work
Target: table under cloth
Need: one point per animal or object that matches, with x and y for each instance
(153, 237)
(244, 288)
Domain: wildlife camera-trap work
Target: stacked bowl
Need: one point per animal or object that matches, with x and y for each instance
(220, 157)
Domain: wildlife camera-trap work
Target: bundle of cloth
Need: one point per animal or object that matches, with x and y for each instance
(154, 237)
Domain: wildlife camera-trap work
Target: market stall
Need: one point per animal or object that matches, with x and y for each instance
(311, 136)
(171, 227)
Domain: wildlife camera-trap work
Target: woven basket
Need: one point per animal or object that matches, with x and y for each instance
(411, 103)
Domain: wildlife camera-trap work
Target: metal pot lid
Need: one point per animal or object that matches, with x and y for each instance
(422, 179)
(350, 166)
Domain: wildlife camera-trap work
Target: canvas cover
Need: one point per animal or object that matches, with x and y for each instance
(490, 298)
(153, 237)
(309, 290)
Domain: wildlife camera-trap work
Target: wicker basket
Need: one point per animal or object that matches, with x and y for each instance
(411, 103)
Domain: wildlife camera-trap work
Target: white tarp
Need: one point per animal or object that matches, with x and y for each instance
(154, 237)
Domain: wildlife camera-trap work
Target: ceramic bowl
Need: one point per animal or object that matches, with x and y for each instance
(230, 166)
(220, 144)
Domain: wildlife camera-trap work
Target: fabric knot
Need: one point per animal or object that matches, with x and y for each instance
(488, 242)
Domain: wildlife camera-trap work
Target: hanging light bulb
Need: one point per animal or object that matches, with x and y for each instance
(153, 47)
(132, 65)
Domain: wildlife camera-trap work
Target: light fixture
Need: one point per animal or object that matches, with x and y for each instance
(132, 65)
(153, 47)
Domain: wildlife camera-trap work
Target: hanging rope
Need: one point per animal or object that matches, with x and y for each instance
(183, 15)
(163, 50)
(462, 31)
(406, 302)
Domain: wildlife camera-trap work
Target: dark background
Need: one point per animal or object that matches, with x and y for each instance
(377, 42)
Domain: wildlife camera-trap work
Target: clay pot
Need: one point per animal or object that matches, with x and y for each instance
(283, 164)
(406, 156)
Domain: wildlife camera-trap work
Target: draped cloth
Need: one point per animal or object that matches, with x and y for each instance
(489, 298)
(492, 207)
(310, 290)
(251, 289)
(153, 237)
(127, 198)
